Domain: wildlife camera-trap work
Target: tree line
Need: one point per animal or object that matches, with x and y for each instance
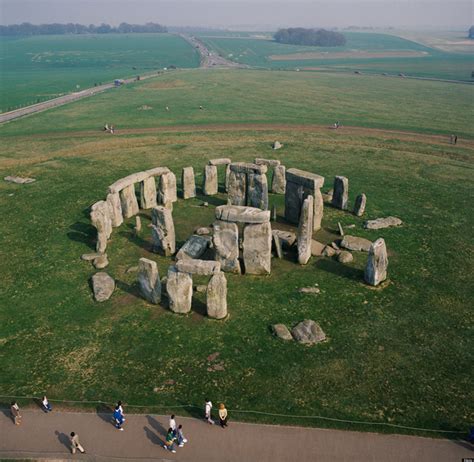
(62, 29)
(315, 37)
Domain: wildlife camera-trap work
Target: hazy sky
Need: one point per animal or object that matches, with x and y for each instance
(234, 13)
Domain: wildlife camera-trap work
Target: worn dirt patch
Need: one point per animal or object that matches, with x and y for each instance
(352, 54)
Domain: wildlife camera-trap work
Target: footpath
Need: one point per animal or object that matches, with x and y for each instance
(45, 436)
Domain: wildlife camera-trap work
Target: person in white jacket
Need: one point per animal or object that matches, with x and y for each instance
(207, 411)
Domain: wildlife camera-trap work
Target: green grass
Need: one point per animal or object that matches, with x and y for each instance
(43, 67)
(400, 355)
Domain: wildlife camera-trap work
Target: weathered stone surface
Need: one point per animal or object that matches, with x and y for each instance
(149, 280)
(257, 248)
(157, 171)
(247, 167)
(287, 238)
(167, 192)
(226, 246)
(129, 202)
(277, 245)
(380, 223)
(241, 214)
(317, 248)
(356, 243)
(345, 257)
(210, 182)
(18, 180)
(281, 331)
(227, 175)
(203, 267)
(341, 192)
(257, 191)
(305, 231)
(101, 261)
(294, 197)
(328, 251)
(148, 193)
(318, 208)
(188, 184)
(308, 332)
(129, 180)
(115, 209)
(194, 247)
(359, 206)
(217, 296)
(138, 225)
(306, 179)
(179, 287)
(103, 286)
(237, 188)
(267, 162)
(277, 145)
(279, 180)
(163, 234)
(202, 231)
(377, 263)
(100, 218)
(201, 288)
(220, 161)
(90, 256)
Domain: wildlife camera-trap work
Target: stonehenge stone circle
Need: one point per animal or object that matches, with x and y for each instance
(305, 231)
(194, 247)
(226, 246)
(167, 192)
(257, 248)
(149, 280)
(188, 183)
(377, 262)
(163, 234)
(359, 206)
(210, 185)
(248, 185)
(217, 296)
(341, 192)
(179, 287)
(103, 286)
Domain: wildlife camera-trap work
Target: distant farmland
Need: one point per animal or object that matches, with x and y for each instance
(43, 67)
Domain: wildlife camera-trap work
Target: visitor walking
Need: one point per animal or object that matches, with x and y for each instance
(180, 436)
(207, 411)
(75, 444)
(46, 406)
(222, 415)
(170, 439)
(172, 425)
(120, 406)
(455, 139)
(118, 418)
(15, 413)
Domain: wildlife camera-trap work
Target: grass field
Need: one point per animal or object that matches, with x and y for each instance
(400, 355)
(433, 64)
(38, 68)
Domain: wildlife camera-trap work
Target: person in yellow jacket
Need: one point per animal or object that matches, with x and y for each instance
(222, 415)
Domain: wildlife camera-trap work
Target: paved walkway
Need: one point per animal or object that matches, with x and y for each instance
(46, 436)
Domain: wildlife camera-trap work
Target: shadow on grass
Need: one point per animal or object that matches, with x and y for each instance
(339, 269)
(156, 426)
(198, 306)
(131, 289)
(211, 200)
(137, 240)
(83, 233)
(63, 439)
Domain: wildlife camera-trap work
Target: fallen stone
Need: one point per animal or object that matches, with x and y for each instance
(257, 248)
(90, 256)
(19, 180)
(203, 267)
(103, 286)
(345, 257)
(194, 247)
(377, 263)
(131, 269)
(305, 231)
(101, 261)
(340, 230)
(179, 287)
(281, 331)
(241, 214)
(287, 238)
(149, 281)
(201, 289)
(308, 332)
(380, 223)
(310, 290)
(359, 206)
(317, 248)
(328, 251)
(202, 231)
(356, 243)
(217, 296)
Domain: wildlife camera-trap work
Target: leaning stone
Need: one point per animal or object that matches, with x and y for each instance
(317, 248)
(257, 248)
(149, 280)
(240, 214)
(305, 231)
(341, 192)
(148, 193)
(90, 256)
(220, 161)
(19, 180)
(202, 267)
(188, 184)
(308, 332)
(167, 192)
(217, 296)
(279, 180)
(281, 331)
(377, 263)
(278, 250)
(202, 231)
(237, 188)
(356, 243)
(226, 245)
(257, 191)
(194, 247)
(287, 238)
(359, 206)
(163, 233)
(380, 223)
(276, 145)
(115, 208)
(328, 251)
(179, 287)
(345, 257)
(103, 286)
(101, 261)
(129, 202)
(211, 185)
(267, 162)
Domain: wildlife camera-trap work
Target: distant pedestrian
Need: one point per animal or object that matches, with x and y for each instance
(201, 108)
(180, 436)
(222, 415)
(46, 406)
(118, 418)
(167, 108)
(112, 129)
(170, 439)
(75, 444)
(455, 139)
(208, 411)
(172, 425)
(15, 413)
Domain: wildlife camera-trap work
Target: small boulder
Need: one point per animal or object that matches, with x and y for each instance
(202, 231)
(345, 257)
(200, 289)
(317, 248)
(101, 261)
(287, 238)
(281, 331)
(277, 145)
(308, 332)
(380, 223)
(103, 286)
(328, 251)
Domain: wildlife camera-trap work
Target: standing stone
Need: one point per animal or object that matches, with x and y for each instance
(359, 206)
(211, 185)
(226, 246)
(257, 248)
(194, 247)
(377, 262)
(277, 242)
(237, 188)
(279, 180)
(129, 202)
(148, 193)
(305, 231)
(100, 218)
(293, 201)
(257, 191)
(318, 210)
(274, 213)
(115, 207)
(149, 280)
(188, 184)
(179, 287)
(163, 234)
(217, 296)
(227, 174)
(341, 192)
(167, 192)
